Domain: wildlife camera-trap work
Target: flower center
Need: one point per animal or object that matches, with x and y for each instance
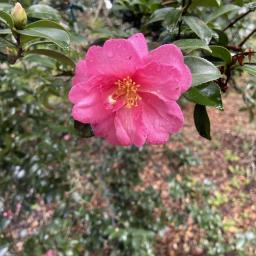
(127, 89)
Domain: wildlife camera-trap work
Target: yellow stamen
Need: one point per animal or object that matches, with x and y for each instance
(129, 90)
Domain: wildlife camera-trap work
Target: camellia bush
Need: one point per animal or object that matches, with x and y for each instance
(119, 70)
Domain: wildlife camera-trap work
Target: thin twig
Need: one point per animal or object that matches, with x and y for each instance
(237, 19)
(184, 11)
(247, 38)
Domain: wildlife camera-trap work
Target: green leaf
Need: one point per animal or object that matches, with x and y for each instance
(222, 37)
(221, 11)
(190, 45)
(83, 130)
(205, 94)
(55, 55)
(160, 14)
(41, 11)
(202, 70)
(5, 31)
(46, 24)
(202, 121)
(206, 3)
(57, 36)
(221, 53)
(251, 69)
(7, 19)
(199, 28)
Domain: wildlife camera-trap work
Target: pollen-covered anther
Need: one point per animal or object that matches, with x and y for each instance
(127, 89)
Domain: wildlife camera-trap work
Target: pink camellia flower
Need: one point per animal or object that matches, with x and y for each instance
(128, 94)
(51, 253)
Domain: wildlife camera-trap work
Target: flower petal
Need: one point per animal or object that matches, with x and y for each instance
(160, 118)
(81, 74)
(140, 44)
(89, 108)
(170, 54)
(130, 129)
(160, 80)
(106, 129)
(117, 57)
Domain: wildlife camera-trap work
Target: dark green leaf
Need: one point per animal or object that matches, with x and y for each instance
(202, 121)
(55, 55)
(41, 11)
(202, 70)
(6, 18)
(199, 28)
(205, 94)
(221, 11)
(57, 36)
(206, 3)
(221, 53)
(190, 45)
(160, 14)
(222, 37)
(45, 24)
(84, 130)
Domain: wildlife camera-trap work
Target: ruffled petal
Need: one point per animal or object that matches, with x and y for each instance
(130, 129)
(160, 118)
(160, 80)
(81, 73)
(89, 104)
(106, 129)
(140, 44)
(170, 54)
(117, 57)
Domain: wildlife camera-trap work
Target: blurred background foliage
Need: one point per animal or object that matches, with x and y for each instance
(61, 194)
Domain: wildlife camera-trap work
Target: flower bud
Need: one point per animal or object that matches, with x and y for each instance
(19, 16)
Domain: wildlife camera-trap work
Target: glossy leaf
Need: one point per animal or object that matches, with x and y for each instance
(41, 11)
(55, 55)
(205, 94)
(202, 121)
(199, 28)
(46, 24)
(221, 11)
(57, 36)
(6, 18)
(190, 45)
(251, 69)
(160, 14)
(221, 53)
(202, 70)
(222, 37)
(206, 3)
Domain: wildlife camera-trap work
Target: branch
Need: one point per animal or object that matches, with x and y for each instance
(246, 38)
(237, 19)
(184, 11)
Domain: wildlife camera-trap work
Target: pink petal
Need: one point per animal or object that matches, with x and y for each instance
(81, 74)
(91, 108)
(140, 44)
(130, 129)
(170, 54)
(160, 80)
(106, 129)
(117, 57)
(100, 84)
(160, 118)
(96, 62)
